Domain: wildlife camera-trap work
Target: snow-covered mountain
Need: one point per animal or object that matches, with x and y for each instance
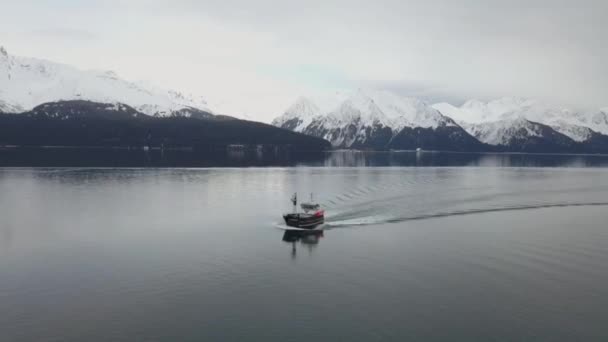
(28, 82)
(578, 126)
(299, 115)
(522, 135)
(377, 120)
(382, 120)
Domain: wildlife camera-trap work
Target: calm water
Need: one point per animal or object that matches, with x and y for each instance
(431, 253)
(77, 157)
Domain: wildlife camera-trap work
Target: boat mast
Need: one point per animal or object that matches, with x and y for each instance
(294, 200)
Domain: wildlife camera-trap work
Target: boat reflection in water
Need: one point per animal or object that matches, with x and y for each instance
(308, 238)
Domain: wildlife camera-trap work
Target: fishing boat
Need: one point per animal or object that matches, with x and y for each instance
(312, 214)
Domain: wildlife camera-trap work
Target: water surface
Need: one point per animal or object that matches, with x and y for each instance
(101, 157)
(430, 253)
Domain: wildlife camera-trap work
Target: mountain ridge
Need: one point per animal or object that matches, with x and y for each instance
(506, 124)
(367, 119)
(27, 82)
(579, 126)
(81, 123)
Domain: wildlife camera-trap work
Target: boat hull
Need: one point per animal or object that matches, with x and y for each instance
(305, 221)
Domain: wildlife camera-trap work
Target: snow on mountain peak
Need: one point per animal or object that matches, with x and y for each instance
(360, 116)
(368, 107)
(579, 126)
(503, 131)
(109, 74)
(28, 82)
(473, 103)
(358, 106)
(299, 115)
(411, 112)
(476, 111)
(304, 107)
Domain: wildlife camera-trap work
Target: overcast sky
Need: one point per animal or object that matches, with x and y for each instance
(256, 57)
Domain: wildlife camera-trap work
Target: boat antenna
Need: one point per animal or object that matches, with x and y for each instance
(311, 200)
(294, 200)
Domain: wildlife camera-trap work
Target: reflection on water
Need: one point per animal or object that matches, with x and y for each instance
(247, 158)
(308, 239)
(371, 159)
(152, 158)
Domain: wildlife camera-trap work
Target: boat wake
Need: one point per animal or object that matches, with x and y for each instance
(375, 220)
(395, 196)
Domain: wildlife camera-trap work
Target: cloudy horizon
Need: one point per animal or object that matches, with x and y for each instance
(254, 59)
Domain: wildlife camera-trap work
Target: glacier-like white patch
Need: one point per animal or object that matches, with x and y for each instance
(578, 125)
(28, 82)
(347, 117)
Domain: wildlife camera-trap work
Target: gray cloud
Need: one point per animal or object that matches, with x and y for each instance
(426, 92)
(551, 49)
(63, 33)
(251, 52)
